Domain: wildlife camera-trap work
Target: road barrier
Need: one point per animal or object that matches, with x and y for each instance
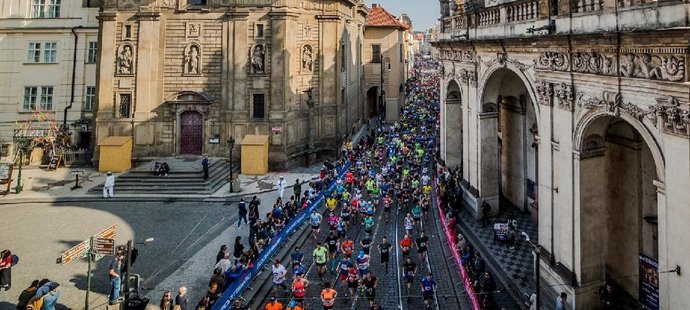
(450, 235)
(236, 288)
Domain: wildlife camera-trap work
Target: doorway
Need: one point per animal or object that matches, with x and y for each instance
(191, 133)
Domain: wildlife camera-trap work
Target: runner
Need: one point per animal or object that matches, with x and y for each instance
(279, 273)
(387, 202)
(320, 257)
(328, 296)
(297, 258)
(352, 281)
(421, 242)
(409, 269)
(315, 219)
(409, 224)
(365, 243)
(428, 286)
(363, 262)
(384, 251)
(370, 282)
(405, 245)
(299, 288)
(347, 247)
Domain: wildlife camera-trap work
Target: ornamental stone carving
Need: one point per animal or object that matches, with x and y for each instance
(544, 93)
(613, 103)
(257, 59)
(464, 76)
(125, 59)
(564, 93)
(472, 76)
(671, 116)
(553, 61)
(307, 58)
(591, 62)
(192, 59)
(653, 67)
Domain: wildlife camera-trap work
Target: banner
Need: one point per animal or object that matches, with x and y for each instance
(236, 288)
(649, 282)
(450, 235)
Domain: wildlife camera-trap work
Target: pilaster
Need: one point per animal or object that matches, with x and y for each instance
(148, 65)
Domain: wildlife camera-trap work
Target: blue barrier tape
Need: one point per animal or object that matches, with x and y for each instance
(238, 286)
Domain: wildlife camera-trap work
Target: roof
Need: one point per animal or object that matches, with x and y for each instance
(254, 140)
(115, 141)
(379, 17)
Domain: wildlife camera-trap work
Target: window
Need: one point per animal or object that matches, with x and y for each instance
(32, 96)
(376, 53)
(34, 52)
(128, 31)
(92, 55)
(45, 8)
(125, 106)
(259, 31)
(49, 51)
(343, 56)
(90, 99)
(258, 107)
(46, 98)
(197, 2)
(402, 56)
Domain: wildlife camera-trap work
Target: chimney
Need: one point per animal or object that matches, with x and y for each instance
(374, 5)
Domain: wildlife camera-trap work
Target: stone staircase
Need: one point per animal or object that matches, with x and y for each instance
(185, 178)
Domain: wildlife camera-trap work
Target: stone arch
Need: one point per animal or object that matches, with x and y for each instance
(651, 137)
(192, 59)
(452, 125)
(488, 73)
(453, 90)
(619, 169)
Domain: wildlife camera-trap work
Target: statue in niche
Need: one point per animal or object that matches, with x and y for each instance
(124, 60)
(257, 60)
(307, 58)
(192, 60)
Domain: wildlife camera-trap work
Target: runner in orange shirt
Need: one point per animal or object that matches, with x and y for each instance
(347, 247)
(328, 296)
(274, 304)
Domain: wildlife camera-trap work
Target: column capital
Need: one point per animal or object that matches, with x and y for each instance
(148, 16)
(108, 16)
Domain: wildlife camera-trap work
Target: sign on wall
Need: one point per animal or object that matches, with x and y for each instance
(649, 282)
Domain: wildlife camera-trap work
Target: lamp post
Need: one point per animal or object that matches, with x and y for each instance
(535, 253)
(22, 143)
(231, 143)
(130, 246)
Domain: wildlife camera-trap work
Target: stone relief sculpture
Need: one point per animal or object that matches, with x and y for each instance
(306, 31)
(307, 58)
(564, 93)
(671, 116)
(192, 59)
(258, 59)
(544, 93)
(553, 61)
(125, 59)
(592, 62)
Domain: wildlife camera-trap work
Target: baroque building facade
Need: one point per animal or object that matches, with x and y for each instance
(577, 112)
(184, 76)
(49, 54)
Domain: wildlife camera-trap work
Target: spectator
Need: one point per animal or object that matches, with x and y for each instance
(26, 295)
(115, 280)
(5, 270)
(108, 185)
(181, 298)
(221, 253)
(561, 301)
(167, 301)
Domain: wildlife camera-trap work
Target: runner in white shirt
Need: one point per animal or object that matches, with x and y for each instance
(279, 273)
(315, 220)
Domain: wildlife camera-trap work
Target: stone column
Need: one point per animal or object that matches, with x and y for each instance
(105, 73)
(329, 40)
(453, 132)
(488, 154)
(237, 59)
(148, 65)
(282, 48)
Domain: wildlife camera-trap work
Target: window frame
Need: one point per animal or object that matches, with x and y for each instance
(46, 8)
(50, 52)
(257, 33)
(263, 108)
(89, 98)
(27, 106)
(92, 52)
(375, 59)
(33, 52)
(130, 110)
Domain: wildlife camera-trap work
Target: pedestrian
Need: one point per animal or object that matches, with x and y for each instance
(561, 301)
(204, 165)
(242, 211)
(50, 295)
(166, 301)
(297, 189)
(26, 295)
(6, 260)
(486, 210)
(239, 249)
(281, 186)
(108, 185)
(181, 298)
(221, 253)
(115, 280)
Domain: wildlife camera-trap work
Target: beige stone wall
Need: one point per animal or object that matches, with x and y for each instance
(17, 29)
(391, 40)
(226, 37)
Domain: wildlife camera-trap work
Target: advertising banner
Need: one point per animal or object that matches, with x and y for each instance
(236, 288)
(649, 282)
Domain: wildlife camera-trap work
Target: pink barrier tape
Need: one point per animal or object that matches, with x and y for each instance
(450, 235)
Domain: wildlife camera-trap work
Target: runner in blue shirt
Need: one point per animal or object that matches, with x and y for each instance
(428, 286)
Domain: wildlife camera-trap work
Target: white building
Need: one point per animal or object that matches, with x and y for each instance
(38, 70)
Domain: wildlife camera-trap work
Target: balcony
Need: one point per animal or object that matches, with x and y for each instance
(527, 18)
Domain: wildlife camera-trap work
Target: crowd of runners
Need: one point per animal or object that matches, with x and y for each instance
(389, 179)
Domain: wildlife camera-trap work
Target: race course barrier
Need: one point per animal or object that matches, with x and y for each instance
(236, 288)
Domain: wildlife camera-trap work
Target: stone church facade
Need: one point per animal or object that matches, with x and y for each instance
(577, 112)
(183, 76)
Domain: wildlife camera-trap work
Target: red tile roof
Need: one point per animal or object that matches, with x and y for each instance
(379, 17)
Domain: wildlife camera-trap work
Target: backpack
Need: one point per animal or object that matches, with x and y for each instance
(15, 259)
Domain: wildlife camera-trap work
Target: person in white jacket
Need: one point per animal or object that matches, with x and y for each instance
(108, 186)
(281, 187)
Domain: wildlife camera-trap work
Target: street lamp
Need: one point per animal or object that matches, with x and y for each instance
(22, 143)
(130, 247)
(231, 143)
(535, 253)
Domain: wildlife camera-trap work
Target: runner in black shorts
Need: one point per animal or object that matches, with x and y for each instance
(409, 271)
(369, 282)
(384, 250)
(332, 242)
